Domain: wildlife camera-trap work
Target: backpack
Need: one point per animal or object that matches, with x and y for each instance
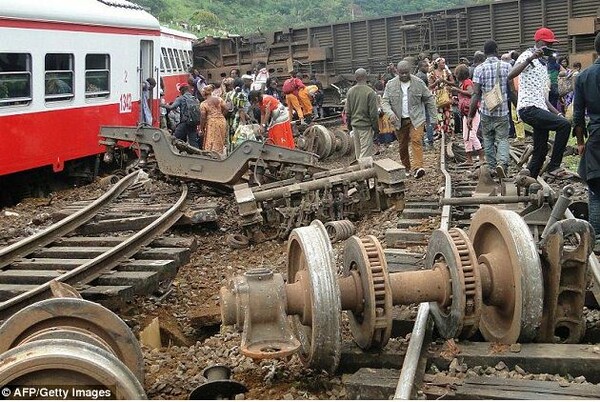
(289, 86)
(190, 110)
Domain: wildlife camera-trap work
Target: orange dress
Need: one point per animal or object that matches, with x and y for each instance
(280, 129)
(213, 124)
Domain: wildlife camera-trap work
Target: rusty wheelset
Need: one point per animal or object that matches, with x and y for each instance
(490, 280)
(71, 342)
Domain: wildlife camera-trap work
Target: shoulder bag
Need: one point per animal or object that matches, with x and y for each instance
(493, 98)
(442, 97)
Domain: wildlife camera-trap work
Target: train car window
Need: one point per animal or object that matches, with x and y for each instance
(165, 58)
(59, 77)
(172, 60)
(97, 76)
(15, 79)
(187, 58)
(184, 61)
(191, 56)
(162, 65)
(178, 61)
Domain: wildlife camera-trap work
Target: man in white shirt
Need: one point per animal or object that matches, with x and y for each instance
(534, 108)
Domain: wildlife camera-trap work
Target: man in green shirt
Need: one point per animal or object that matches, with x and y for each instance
(362, 115)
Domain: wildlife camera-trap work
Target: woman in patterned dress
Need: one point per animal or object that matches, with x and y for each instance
(440, 79)
(212, 121)
(274, 119)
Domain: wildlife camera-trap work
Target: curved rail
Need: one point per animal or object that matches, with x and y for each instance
(61, 228)
(406, 382)
(92, 269)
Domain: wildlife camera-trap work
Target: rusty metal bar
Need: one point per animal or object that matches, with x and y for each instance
(511, 199)
(61, 228)
(312, 185)
(105, 262)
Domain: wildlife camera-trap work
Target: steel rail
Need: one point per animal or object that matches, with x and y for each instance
(61, 228)
(406, 382)
(92, 269)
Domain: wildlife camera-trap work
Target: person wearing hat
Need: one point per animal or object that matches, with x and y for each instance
(534, 108)
(185, 130)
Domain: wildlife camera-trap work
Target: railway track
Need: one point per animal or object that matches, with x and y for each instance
(535, 358)
(110, 248)
(485, 286)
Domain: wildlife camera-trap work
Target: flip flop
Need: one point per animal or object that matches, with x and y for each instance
(561, 173)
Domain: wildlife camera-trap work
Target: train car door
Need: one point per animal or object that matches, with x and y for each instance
(146, 70)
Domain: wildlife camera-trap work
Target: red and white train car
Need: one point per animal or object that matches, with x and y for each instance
(66, 68)
(176, 59)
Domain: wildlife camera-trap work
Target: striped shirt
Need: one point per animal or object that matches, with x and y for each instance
(485, 76)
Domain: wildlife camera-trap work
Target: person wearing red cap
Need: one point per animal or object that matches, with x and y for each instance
(185, 130)
(534, 108)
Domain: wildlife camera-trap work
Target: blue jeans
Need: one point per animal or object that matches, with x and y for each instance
(428, 128)
(494, 130)
(187, 132)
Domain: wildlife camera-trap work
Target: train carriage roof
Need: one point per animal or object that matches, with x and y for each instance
(176, 33)
(110, 13)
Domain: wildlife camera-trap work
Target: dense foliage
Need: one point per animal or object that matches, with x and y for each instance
(248, 16)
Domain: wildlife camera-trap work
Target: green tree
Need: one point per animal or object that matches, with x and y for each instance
(205, 19)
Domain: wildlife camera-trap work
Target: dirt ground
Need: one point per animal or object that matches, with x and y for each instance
(173, 372)
(188, 311)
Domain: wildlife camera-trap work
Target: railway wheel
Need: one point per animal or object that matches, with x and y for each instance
(74, 364)
(342, 142)
(323, 140)
(74, 319)
(310, 258)
(371, 328)
(461, 316)
(511, 276)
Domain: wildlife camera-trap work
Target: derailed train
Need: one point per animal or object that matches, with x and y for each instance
(334, 51)
(68, 68)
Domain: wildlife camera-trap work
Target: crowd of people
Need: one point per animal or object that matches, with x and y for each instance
(487, 100)
(242, 107)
